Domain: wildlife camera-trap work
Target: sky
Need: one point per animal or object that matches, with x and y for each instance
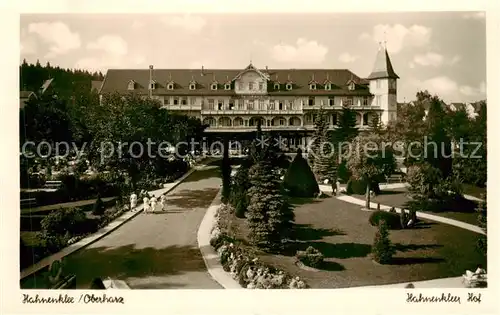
(442, 52)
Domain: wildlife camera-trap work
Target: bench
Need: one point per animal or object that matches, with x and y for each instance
(53, 184)
(394, 178)
(28, 202)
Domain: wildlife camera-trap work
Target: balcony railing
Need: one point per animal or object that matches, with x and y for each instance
(182, 107)
(266, 128)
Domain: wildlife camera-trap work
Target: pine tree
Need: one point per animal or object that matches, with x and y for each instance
(318, 137)
(239, 190)
(347, 129)
(382, 249)
(322, 157)
(269, 216)
(376, 124)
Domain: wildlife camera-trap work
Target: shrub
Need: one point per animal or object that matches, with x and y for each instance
(63, 221)
(98, 206)
(482, 220)
(299, 179)
(239, 190)
(424, 180)
(391, 219)
(54, 243)
(358, 187)
(382, 249)
(403, 219)
(241, 206)
(343, 173)
(310, 257)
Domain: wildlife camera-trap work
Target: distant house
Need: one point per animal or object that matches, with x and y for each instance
(470, 108)
(96, 86)
(24, 97)
(46, 88)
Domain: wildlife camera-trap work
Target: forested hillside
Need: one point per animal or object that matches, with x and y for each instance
(66, 81)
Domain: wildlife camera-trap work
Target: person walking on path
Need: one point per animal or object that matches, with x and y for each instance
(153, 204)
(146, 204)
(163, 203)
(133, 201)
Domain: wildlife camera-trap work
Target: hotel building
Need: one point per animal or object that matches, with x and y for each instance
(284, 100)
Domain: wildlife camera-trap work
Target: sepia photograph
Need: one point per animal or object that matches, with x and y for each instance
(253, 151)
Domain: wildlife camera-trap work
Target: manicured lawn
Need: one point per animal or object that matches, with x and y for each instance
(398, 198)
(473, 190)
(30, 238)
(342, 233)
(72, 204)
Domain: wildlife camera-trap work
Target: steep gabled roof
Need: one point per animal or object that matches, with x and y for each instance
(251, 67)
(383, 66)
(45, 85)
(25, 96)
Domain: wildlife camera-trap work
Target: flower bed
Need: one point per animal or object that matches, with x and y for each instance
(243, 266)
(310, 257)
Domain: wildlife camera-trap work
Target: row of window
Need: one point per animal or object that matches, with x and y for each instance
(252, 86)
(289, 105)
(279, 121)
(238, 122)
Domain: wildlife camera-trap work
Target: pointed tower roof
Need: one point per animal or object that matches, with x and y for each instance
(383, 66)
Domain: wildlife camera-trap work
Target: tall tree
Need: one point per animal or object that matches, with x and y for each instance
(346, 126)
(439, 150)
(320, 129)
(46, 119)
(376, 124)
(226, 171)
(322, 157)
(269, 216)
(369, 160)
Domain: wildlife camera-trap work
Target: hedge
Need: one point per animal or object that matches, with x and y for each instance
(392, 219)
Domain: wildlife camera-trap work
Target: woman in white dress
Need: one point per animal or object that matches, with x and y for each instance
(133, 201)
(163, 203)
(153, 204)
(146, 204)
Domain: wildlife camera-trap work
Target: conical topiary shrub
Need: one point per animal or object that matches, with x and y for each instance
(98, 208)
(299, 179)
(382, 249)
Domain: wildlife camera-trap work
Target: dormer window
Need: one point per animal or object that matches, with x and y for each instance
(213, 86)
(227, 86)
(192, 86)
(328, 86)
(152, 85)
(289, 86)
(352, 86)
(312, 86)
(276, 86)
(170, 86)
(131, 85)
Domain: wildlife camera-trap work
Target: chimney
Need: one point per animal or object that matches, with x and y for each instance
(202, 71)
(150, 80)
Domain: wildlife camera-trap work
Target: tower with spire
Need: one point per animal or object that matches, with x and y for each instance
(383, 85)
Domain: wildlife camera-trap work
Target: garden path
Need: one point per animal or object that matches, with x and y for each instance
(427, 216)
(158, 250)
